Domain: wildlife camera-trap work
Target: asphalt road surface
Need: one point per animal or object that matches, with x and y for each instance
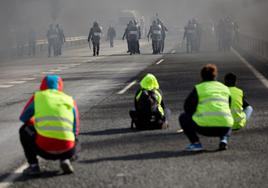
(112, 155)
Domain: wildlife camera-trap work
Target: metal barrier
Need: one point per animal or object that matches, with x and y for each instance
(253, 45)
(42, 45)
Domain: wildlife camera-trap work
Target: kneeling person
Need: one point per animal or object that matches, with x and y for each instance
(149, 110)
(51, 126)
(207, 111)
(240, 108)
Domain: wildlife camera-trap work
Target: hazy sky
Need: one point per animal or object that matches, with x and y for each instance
(77, 15)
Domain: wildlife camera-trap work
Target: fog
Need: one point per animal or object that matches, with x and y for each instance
(76, 16)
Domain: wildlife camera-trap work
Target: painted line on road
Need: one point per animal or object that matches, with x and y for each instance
(173, 51)
(55, 70)
(47, 72)
(127, 87)
(74, 65)
(27, 79)
(260, 76)
(5, 86)
(160, 61)
(16, 82)
(8, 181)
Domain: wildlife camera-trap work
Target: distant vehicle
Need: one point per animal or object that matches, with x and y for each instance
(127, 15)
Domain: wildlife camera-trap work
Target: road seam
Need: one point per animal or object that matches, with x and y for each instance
(127, 87)
(260, 76)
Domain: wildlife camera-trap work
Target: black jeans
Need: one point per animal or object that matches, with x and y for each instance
(96, 48)
(31, 150)
(191, 129)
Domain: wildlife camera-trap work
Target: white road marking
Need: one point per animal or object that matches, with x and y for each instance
(262, 78)
(47, 72)
(173, 51)
(75, 64)
(55, 70)
(179, 131)
(5, 86)
(127, 87)
(8, 181)
(17, 82)
(160, 61)
(28, 79)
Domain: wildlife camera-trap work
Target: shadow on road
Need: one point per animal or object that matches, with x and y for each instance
(143, 156)
(19, 177)
(108, 132)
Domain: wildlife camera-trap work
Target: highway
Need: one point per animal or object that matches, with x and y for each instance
(111, 154)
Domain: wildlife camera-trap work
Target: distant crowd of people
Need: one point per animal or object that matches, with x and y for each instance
(227, 34)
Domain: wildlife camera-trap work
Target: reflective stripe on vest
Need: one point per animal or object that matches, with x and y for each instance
(237, 108)
(54, 115)
(213, 100)
(53, 118)
(213, 105)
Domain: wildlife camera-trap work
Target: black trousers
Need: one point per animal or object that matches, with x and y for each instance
(96, 48)
(191, 129)
(31, 150)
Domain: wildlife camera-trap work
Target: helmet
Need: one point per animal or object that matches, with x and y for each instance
(95, 24)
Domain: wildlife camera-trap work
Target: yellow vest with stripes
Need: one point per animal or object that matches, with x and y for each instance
(54, 115)
(237, 108)
(158, 98)
(213, 108)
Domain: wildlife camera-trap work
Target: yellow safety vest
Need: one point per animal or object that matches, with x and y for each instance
(213, 105)
(237, 108)
(54, 115)
(158, 98)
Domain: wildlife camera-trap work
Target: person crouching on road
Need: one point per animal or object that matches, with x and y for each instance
(240, 108)
(207, 111)
(51, 126)
(150, 112)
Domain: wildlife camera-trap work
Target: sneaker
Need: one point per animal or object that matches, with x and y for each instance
(223, 146)
(32, 170)
(223, 143)
(66, 166)
(194, 147)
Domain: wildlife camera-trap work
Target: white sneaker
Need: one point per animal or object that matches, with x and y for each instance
(66, 166)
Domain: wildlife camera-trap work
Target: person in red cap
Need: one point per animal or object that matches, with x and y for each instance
(51, 126)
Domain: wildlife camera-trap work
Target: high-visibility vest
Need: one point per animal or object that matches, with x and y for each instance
(213, 108)
(158, 99)
(237, 107)
(54, 115)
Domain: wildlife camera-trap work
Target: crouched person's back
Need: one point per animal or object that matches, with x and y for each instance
(149, 112)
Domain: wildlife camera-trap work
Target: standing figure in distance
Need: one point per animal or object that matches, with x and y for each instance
(155, 33)
(111, 34)
(60, 39)
(52, 37)
(95, 36)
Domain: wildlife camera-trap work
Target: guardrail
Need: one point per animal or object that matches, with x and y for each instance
(42, 47)
(252, 45)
